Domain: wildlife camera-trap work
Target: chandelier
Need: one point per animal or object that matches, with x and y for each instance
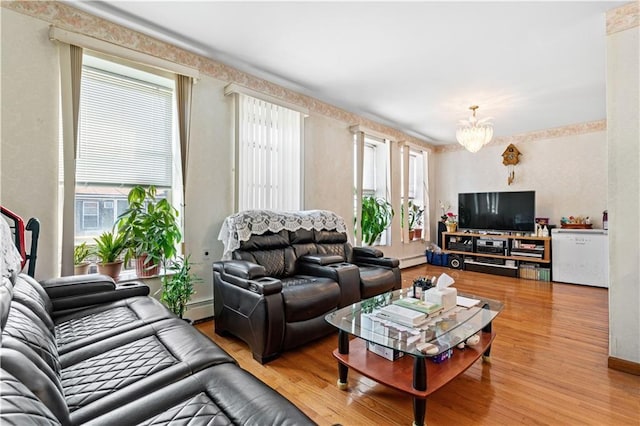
(473, 134)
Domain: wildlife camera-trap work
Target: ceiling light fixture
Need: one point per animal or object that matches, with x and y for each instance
(473, 134)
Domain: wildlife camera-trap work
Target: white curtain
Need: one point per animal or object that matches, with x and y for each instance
(269, 148)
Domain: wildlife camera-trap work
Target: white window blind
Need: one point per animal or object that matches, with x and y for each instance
(125, 131)
(269, 145)
(369, 169)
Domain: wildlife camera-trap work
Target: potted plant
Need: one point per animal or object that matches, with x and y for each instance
(109, 247)
(152, 230)
(178, 286)
(451, 221)
(415, 219)
(80, 254)
(376, 218)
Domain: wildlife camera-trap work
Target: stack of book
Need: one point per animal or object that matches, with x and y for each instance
(401, 315)
(419, 305)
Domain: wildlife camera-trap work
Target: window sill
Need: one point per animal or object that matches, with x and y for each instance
(130, 275)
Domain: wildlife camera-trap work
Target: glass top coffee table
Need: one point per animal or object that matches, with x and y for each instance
(435, 338)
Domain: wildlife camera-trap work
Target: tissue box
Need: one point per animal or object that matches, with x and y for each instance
(443, 296)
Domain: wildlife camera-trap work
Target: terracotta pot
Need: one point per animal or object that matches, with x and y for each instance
(112, 269)
(412, 234)
(146, 270)
(81, 269)
(418, 233)
(451, 227)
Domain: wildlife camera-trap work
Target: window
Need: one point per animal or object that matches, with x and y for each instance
(416, 189)
(126, 138)
(375, 180)
(269, 156)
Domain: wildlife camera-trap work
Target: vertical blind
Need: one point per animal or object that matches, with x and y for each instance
(125, 131)
(269, 175)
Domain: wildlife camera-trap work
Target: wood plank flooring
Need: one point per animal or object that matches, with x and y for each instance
(548, 367)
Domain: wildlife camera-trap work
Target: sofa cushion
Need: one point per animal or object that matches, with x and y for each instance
(280, 262)
(19, 406)
(219, 395)
(25, 326)
(307, 297)
(97, 323)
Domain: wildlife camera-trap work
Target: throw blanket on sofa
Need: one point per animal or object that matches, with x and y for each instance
(241, 226)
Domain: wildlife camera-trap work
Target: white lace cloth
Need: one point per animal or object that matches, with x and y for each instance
(241, 226)
(11, 259)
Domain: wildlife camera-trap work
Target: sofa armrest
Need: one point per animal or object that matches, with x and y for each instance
(347, 275)
(321, 259)
(242, 269)
(80, 291)
(367, 252)
(247, 275)
(387, 262)
(78, 285)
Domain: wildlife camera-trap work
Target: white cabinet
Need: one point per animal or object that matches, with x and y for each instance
(580, 256)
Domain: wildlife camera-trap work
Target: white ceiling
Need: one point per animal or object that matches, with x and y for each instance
(416, 66)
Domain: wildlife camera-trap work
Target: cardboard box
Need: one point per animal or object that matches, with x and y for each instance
(383, 351)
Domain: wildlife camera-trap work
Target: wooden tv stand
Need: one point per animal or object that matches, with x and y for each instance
(502, 254)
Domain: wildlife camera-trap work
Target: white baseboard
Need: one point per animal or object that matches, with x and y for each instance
(199, 310)
(413, 261)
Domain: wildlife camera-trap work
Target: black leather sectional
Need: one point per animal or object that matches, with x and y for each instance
(276, 291)
(83, 350)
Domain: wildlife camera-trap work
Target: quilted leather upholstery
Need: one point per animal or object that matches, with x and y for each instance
(114, 354)
(104, 374)
(88, 325)
(26, 327)
(197, 411)
(19, 406)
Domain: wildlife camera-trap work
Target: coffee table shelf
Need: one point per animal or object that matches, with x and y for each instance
(414, 373)
(398, 374)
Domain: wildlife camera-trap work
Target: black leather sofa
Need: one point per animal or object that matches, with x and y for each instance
(82, 350)
(276, 290)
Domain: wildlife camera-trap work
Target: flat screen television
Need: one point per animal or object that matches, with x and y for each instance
(497, 211)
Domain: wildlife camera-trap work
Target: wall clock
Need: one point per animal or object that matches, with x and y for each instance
(510, 157)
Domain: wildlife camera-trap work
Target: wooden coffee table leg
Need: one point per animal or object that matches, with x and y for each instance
(343, 370)
(419, 383)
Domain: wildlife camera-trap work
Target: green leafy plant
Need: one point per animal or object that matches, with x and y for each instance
(376, 218)
(151, 226)
(80, 253)
(414, 217)
(109, 246)
(178, 287)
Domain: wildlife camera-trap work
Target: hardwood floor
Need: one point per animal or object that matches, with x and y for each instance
(549, 366)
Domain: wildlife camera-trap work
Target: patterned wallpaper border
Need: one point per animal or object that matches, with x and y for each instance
(69, 18)
(558, 132)
(623, 18)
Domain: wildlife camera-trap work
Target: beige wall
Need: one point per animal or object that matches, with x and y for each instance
(30, 97)
(569, 175)
(328, 166)
(623, 116)
(30, 155)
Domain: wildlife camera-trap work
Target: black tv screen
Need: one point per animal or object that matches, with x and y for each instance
(499, 211)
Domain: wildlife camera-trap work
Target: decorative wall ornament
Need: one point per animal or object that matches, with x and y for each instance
(510, 157)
